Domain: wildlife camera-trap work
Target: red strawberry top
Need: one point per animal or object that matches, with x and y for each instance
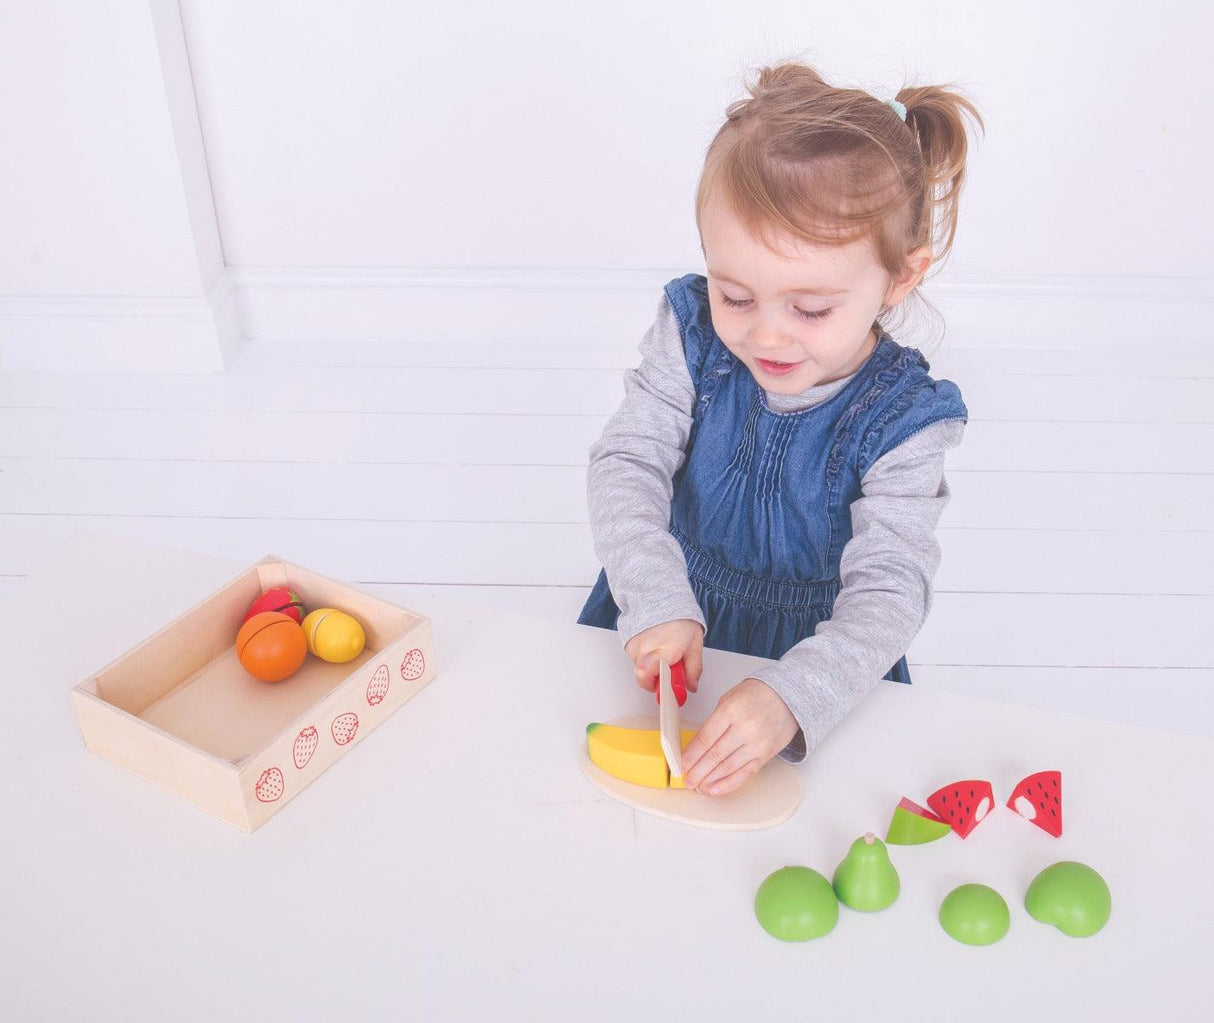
(277, 598)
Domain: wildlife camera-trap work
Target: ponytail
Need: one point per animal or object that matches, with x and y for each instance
(937, 117)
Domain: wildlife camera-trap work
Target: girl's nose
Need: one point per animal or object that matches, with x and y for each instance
(767, 336)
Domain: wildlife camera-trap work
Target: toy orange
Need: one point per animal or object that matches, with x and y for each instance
(271, 646)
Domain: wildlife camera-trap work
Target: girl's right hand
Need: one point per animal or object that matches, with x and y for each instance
(680, 640)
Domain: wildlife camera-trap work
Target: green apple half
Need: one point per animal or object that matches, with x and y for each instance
(1072, 897)
(796, 904)
(975, 915)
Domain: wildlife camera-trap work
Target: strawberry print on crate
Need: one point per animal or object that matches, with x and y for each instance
(377, 688)
(344, 728)
(270, 785)
(305, 746)
(413, 666)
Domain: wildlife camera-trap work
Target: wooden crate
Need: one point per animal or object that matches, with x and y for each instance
(180, 711)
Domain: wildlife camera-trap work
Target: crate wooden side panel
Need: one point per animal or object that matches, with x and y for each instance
(232, 716)
(180, 649)
(337, 723)
(165, 761)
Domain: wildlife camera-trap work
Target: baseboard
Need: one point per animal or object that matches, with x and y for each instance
(593, 306)
(121, 333)
(589, 306)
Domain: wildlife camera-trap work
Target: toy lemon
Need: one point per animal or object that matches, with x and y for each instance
(333, 635)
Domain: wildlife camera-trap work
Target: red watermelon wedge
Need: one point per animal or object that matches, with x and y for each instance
(1038, 798)
(963, 804)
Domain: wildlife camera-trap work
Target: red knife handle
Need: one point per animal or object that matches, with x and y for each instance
(678, 682)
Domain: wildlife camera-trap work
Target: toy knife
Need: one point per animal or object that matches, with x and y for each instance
(668, 721)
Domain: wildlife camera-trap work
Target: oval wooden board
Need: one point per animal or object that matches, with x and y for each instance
(767, 799)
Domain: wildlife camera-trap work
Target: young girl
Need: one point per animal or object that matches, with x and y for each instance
(772, 481)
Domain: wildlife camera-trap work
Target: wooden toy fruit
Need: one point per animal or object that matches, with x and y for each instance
(271, 646)
(633, 754)
(963, 804)
(1038, 798)
(333, 635)
(975, 915)
(913, 824)
(1072, 897)
(277, 598)
(796, 904)
(866, 880)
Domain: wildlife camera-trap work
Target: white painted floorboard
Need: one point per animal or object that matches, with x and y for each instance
(1078, 564)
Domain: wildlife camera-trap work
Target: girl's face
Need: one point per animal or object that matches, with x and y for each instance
(796, 322)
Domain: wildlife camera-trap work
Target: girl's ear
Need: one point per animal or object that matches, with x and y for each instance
(916, 265)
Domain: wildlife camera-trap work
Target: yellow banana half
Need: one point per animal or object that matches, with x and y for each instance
(632, 754)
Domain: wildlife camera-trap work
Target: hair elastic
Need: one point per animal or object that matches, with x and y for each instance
(897, 108)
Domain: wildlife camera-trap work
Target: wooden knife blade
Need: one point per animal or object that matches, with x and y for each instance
(668, 722)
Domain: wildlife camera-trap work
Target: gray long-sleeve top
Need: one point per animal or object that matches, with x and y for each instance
(886, 568)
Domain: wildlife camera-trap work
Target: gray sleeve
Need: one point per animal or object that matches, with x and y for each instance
(629, 484)
(885, 594)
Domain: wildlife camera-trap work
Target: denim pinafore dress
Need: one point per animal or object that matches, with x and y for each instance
(762, 502)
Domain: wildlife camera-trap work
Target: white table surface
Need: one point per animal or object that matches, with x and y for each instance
(458, 865)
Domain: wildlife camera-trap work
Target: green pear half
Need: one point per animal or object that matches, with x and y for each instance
(866, 880)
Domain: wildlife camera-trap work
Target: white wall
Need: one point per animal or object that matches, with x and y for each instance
(386, 170)
(549, 134)
(111, 255)
(546, 135)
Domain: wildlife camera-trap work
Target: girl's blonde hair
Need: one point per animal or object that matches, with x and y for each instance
(830, 165)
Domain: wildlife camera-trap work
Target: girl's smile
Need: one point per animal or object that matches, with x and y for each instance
(776, 369)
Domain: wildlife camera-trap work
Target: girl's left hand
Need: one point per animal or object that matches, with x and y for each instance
(750, 726)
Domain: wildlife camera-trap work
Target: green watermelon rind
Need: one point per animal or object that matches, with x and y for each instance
(906, 828)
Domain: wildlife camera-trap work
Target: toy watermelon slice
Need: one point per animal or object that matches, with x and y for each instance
(913, 824)
(1038, 798)
(963, 804)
